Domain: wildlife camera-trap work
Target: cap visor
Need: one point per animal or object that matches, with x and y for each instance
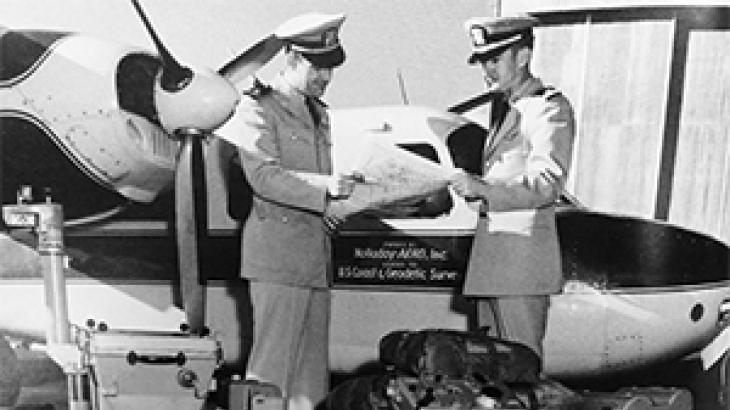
(330, 59)
(478, 57)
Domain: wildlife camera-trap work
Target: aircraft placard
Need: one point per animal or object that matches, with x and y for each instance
(399, 261)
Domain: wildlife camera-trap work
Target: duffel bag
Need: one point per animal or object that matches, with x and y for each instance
(395, 392)
(460, 354)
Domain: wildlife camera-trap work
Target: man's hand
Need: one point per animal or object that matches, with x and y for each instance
(343, 186)
(469, 186)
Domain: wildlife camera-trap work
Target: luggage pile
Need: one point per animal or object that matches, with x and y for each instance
(450, 369)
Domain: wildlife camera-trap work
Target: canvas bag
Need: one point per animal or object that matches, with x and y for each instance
(460, 354)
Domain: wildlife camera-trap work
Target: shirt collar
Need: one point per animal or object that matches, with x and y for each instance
(285, 87)
(528, 87)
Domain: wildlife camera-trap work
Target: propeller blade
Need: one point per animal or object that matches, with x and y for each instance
(252, 59)
(174, 75)
(191, 215)
(189, 105)
(472, 103)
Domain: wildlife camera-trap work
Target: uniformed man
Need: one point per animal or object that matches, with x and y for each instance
(515, 258)
(282, 131)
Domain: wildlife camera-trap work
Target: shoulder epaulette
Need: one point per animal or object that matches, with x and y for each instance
(547, 92)
(320, 102)
(257, 90)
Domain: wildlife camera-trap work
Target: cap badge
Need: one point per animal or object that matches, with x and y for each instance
(478, 36)
(330, 37)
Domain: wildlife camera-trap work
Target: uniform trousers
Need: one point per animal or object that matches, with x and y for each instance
(291, 341)
(520, 319)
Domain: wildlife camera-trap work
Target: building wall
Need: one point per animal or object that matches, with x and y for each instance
(701, 183)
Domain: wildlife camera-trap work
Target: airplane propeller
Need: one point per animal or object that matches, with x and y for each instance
(190, 105)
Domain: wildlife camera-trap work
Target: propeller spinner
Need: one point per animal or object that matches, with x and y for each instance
(200, 100)
(190, 105)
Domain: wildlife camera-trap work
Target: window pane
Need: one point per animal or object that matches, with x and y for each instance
(701, 187)
(615, 75)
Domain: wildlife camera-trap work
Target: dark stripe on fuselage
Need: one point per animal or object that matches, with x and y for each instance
(23, 50)
(606, 251)
(613, 251)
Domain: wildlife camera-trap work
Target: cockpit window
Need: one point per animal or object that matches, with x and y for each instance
(424, 150)
(20, 50)
(135, 84)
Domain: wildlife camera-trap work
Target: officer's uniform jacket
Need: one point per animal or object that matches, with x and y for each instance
(526, 161)
(284, 155)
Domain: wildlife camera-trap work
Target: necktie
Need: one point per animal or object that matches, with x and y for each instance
(499, 109)
(312, 107)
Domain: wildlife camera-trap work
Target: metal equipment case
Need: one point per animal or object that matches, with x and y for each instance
(149, 370)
